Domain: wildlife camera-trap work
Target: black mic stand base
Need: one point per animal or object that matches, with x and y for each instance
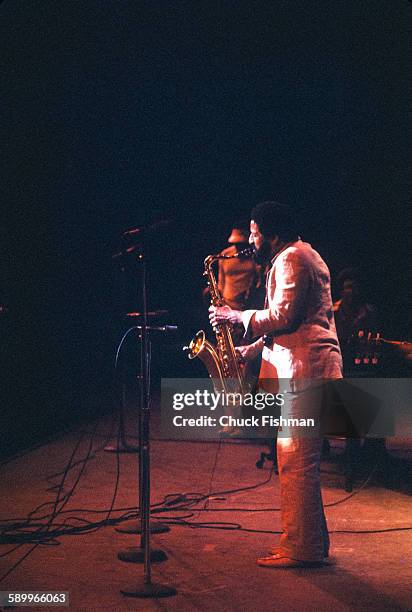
(136, 527)
(146, 590)
(135, 554)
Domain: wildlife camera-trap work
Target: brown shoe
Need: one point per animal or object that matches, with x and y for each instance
(276, 550)
(284, 562)
(233, 434)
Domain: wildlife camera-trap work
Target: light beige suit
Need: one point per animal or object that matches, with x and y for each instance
(304, 352)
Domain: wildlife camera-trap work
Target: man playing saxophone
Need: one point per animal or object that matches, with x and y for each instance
(296, 335)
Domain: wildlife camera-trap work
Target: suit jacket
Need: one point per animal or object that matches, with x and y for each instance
(299, 316)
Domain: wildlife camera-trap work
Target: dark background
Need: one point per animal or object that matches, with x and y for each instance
(117, 114)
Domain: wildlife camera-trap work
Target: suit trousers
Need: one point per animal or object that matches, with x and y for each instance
(304, 530)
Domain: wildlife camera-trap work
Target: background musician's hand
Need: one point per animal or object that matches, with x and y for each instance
(223, 314)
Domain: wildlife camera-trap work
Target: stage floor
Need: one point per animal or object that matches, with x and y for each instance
(212, 568)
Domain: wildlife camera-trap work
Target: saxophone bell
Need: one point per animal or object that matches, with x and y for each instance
(196, 345)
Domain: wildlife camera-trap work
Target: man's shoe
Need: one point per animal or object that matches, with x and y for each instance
(228, 431)
(284, 562)
(276, 550)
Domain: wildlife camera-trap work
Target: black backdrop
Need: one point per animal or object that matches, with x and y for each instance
(121, 113)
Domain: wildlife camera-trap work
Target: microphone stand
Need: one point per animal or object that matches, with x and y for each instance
(145, 588)
(121, 446)
(134, 555)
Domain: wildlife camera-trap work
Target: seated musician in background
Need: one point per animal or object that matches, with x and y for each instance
(357, 323)
(354, 317)
(297, 338)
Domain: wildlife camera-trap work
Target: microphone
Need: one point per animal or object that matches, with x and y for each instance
(150, 228)
(130, 232)
(160, 328)
(167, 328)
(127, 251)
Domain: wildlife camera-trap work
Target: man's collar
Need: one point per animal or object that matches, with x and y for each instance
(285, 246)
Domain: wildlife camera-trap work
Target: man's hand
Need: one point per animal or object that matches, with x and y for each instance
(242, 354)
(223, 314)
(250, 351)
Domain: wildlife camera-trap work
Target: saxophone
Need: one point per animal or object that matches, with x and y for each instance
(221, 361)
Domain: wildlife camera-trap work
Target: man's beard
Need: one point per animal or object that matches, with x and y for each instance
(263, 253)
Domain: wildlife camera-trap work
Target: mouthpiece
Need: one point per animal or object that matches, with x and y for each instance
(244, 254)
